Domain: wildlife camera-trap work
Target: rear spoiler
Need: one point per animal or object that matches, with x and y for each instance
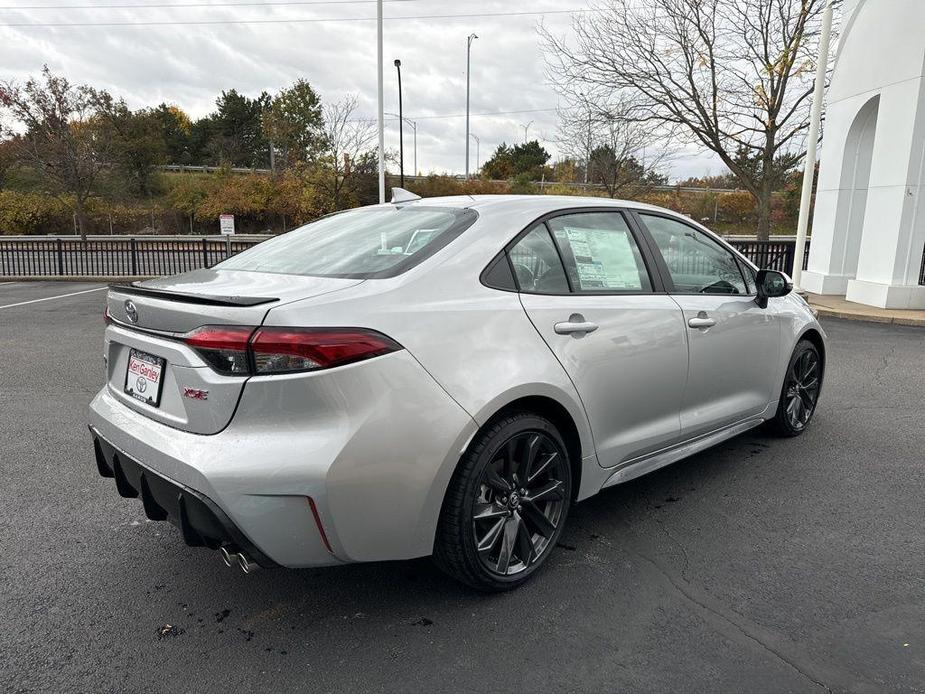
(205, 299)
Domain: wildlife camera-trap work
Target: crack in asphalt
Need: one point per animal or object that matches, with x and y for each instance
(742, 630)
(722, 617)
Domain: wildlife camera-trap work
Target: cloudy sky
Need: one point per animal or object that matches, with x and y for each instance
(178, 52)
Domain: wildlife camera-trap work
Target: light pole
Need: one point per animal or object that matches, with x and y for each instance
(414, 132)
(477, 143)
(584, 100)
(414, 136)
(401, 131)
(380, 99)
(809, 168)
(526, 129)
(469, 40)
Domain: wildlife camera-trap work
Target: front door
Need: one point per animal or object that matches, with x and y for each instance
(733, 344)
(588, 291)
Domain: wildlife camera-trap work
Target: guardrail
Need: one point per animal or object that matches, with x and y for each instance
(181, 168)
(114, 256)
(413, 178)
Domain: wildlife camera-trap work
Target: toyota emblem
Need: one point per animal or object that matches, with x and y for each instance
(131, 312)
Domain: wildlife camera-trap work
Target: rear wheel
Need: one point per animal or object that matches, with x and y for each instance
(800, 392)
(506, 504)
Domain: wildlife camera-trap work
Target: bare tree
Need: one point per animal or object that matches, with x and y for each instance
(63, 140)
(346, 158)
(618, 153)
(734, 75)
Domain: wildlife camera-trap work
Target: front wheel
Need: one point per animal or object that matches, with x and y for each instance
(800, 392)
(506, 504)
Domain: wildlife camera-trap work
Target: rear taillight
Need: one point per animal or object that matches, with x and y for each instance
(284, 350)
(224, 347)
(243, 350)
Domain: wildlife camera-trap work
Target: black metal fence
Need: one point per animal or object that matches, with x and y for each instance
(111, 257)
(771, 255)
(127, 256)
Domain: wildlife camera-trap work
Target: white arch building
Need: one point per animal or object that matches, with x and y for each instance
(869, 225)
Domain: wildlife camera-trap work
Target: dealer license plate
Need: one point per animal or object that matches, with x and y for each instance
(144, 377)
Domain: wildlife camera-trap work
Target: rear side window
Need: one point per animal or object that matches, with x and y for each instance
(696, 263)
(536, 263)
(600, 253)
(360, 244)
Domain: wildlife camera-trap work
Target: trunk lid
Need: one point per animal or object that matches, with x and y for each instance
(213, 297)
(179, 388)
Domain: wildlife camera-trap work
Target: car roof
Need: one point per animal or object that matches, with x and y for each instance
(538, 204)
(532, 206)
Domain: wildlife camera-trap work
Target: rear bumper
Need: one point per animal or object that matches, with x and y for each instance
(372, 445)
(200, 520)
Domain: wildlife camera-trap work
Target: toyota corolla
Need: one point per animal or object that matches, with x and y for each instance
(441, 377)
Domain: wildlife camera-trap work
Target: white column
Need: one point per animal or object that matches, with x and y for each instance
(894, 222)
(812, 139)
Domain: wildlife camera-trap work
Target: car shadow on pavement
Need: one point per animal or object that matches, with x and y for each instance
(410, 588)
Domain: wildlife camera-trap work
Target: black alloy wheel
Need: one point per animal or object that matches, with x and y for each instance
(520, 502)
(506, 505)
(800, 393)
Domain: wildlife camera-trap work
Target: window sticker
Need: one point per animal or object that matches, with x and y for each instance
(605, 259)
(591, 275)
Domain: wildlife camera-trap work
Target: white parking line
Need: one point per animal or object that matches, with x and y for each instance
(49, 298)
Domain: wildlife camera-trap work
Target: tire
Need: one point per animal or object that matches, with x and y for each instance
(490, 535)
(800, 393)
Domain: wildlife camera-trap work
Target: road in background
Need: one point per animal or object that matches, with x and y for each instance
(763, 565)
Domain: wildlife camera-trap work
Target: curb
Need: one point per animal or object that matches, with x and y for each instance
(883, 320)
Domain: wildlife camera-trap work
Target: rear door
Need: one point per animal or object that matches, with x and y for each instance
(586, 285)
(734, 344)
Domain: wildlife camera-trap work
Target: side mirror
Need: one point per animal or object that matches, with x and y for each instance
(772, 283)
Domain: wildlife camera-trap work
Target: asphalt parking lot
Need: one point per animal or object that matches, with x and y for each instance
(764, 565)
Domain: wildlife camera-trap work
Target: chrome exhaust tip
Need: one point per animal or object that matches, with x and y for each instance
(247, 566)
(230, 558)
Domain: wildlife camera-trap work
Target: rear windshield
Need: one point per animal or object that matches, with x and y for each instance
(362, 244)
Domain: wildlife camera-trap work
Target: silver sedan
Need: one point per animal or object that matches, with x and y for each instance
(441, 377)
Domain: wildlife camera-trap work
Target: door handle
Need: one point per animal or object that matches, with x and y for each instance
(702, 321)
(575, 324)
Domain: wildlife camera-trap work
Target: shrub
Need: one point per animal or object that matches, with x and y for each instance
(439, 185)
(31, 213)
(523, 185)
(739, 206)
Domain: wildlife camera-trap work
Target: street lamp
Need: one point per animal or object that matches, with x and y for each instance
(469, 40)
(401, 131)
(477, 143)
(379, 101)
(526, 128)
(584, 100)
(414, 131)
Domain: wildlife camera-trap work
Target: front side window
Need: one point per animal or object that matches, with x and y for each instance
(751, 277)
(536, 263)
(361, 244)
(696, 263)
(600, 253)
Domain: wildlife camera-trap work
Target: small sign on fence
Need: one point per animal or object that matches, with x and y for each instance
(226, 224)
